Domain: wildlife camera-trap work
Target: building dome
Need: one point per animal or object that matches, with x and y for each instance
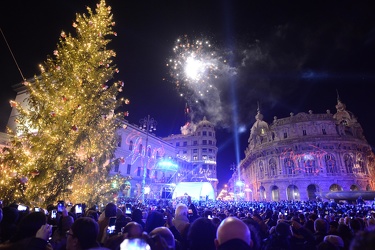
(204, 123)
(259, 131)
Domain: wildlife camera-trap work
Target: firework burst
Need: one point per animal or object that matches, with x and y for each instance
(194, 66)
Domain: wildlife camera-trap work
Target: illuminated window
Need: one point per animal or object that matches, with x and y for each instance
(204, 157)
(195, 157)
(330, 164)
(289, 166)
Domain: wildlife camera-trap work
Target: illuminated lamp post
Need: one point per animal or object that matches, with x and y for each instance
(146, 124)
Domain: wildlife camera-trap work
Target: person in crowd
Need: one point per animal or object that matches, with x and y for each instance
(83, 235)
(109, 211)
(8, 224)
(166, 234)
(364, 240)
(58, 240)
(137, 216)
(181, 220)
(233, 233)
(154, 219)
(201, 235)
(133, 230)
(193, 214)
(321, 229)
(26, 232)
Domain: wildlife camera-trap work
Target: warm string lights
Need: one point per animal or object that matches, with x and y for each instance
(68, 109)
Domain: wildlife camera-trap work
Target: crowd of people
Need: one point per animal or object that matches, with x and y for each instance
(191, 225)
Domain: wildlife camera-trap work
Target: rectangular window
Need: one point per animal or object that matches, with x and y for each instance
(128, 169)
(210, 133)
(148, 173)
(204, 133)
(177, 144)
(195, 143)
(204, 150)
(139, 171)
(117, 166)
(185, 143)
(195, 157)
(285, 135)
(204, 157)
(304, 132)
(195, 150)
(119, 142)
(324, 131)
(204, 142)
(209, 142)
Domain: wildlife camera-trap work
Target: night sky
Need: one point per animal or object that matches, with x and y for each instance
(290, 56)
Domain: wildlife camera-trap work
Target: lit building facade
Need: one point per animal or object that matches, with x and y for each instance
(196, 145)
(304, 156)
(157, 163)
(134, 157)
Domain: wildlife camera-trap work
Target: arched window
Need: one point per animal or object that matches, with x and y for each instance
(272, 167)
(330, 164)
(261, 170)
(348, 161)
(131, 145)
(149, 152)
(309, 162)
(289, 166)
(361, 169)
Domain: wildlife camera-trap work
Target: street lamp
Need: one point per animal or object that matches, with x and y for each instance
(148, 125)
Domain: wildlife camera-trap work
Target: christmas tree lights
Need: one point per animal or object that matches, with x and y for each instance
(66, 137)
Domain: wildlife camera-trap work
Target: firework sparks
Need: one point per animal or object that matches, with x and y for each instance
(195, 64)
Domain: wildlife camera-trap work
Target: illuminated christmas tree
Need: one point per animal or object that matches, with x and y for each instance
(66, 137)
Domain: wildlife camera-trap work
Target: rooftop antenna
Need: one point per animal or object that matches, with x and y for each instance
(15, 61)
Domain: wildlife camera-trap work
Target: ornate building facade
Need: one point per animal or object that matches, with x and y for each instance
(197, 145)
(304, 156)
